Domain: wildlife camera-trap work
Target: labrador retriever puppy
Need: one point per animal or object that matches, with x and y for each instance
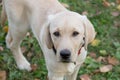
(62, 34)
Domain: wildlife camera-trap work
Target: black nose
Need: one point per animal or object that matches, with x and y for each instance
(65, 54)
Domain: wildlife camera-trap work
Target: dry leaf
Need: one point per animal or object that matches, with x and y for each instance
(29, 54)
(84, 13)
(95, 42)
(106, 3)
(115, 13)
(2, 75)
(36, 79)
(85, 77)
(5, 29)
(100, 59)
(93, 55)
(118, 1)
(34, 67)
(112, 60)
(96, 71)
(118, 7)
(106, 68)
(1, 48)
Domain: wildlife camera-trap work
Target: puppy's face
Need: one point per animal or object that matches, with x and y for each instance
(67, 34)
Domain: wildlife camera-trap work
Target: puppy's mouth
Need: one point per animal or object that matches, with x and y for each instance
(67, 61)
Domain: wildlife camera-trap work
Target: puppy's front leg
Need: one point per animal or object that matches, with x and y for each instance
(13, 39)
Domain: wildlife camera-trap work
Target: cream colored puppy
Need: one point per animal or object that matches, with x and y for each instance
(62, 34)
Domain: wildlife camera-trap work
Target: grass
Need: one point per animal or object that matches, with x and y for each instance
(107, 32)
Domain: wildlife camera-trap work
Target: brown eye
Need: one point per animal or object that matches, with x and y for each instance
(57, 34)
(75, 33)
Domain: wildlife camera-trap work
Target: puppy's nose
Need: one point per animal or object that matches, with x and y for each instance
(65, 54)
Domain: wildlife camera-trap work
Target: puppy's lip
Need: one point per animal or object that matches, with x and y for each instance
(67, 61)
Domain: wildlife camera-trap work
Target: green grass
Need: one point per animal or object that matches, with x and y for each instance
(107, 33)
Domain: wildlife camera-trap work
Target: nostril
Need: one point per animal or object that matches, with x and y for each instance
(65, 54)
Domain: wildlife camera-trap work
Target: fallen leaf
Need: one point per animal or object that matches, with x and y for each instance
(1, 48)
(115, 13)
(34, 67)
(101, 59)
(96, 71)
(95, 42)
(118, 1)
(5, 29)
(112, 60)
(2, 75)
(36, 79)
(106, 68)
(118, 7)
(93, 55)
(29, 54)
(84, 13)
(106, 3)
(85, 77)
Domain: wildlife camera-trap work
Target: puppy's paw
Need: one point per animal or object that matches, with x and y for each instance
(24, 65)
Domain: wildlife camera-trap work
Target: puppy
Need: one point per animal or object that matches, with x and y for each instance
(62, 34)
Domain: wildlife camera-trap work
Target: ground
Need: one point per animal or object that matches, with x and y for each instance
(102, 62)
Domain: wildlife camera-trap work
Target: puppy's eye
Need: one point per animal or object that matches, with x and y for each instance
(75, 33)
(57, 34)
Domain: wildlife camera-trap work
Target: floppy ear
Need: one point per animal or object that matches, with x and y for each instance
(89, 31)
(47, 36)
(48, 39)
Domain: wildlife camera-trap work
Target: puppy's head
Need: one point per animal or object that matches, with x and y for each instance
(67, 33)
